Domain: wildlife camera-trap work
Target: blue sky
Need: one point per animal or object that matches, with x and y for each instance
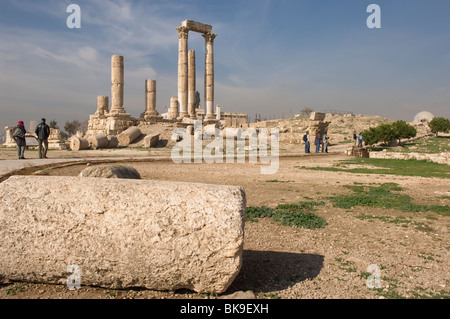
(271, 56)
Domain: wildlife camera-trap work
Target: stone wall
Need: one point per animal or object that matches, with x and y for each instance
(442, 158)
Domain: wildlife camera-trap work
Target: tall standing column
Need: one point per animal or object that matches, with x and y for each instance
(150, 98)
(183, 70)
(209, 75)
(117, 79)
(191, 84)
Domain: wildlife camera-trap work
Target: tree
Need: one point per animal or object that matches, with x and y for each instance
(370, 136)
(403, 130)
(306, 111)
(439, 124)
(53, 124)
(384, 133)
(72, 127)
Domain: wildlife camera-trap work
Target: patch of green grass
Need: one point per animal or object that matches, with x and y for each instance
(390, 166)
(422, 293)
(346, 265)
(384, 196)
(399, 220)
(289, 215)
(430, 145)
(300, 206)
(15, 289)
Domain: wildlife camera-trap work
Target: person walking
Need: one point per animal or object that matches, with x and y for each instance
(317, 141)
(19, 137)
(355, 138)
(307, 142)
(43, 132)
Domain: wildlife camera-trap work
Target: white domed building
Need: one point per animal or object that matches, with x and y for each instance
(423, 117)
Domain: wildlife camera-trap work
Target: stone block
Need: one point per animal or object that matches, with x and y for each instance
(129, 136)
(151, 140)
(318, 116)
(110, 171)
(121, 233)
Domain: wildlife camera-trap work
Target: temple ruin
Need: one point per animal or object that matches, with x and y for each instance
(186, 104)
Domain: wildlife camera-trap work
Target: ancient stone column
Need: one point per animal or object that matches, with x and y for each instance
(150, 98)
(102, 105)
(218, 113)
(78, 143)
(191, 84)
(183, 70)
(173, 109)
(209, 75)
(98, 141)
(129, 136)
(117, 79)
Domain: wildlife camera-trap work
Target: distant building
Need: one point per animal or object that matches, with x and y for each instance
(423, 117)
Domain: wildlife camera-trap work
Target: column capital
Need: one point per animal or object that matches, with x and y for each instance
(183, 32)
(209, 37)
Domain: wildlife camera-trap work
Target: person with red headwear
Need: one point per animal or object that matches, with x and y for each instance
(19, 137)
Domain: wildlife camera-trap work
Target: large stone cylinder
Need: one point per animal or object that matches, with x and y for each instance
(98, 141)
(113, 141)
(121, 233)
(129, 136)
(172, 113)
(78, 143)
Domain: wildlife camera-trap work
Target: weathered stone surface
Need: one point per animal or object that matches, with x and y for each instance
(150, 98)
(129, 136)
(98, 141)
(111, 171)
(317, 116)
(173, 109)
(196, 26)
(151, 140)
(187, 120)
(441, 158)
(121, 233)
(241, 295)
(78, 143)
(113, 141)
(102, 105)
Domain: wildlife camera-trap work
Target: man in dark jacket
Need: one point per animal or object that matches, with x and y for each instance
(43, 132)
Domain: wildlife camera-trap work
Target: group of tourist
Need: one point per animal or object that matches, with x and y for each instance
(319, 140)
(323, 141)
(42, 132)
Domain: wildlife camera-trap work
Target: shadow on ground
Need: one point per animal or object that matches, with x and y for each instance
(266, 271)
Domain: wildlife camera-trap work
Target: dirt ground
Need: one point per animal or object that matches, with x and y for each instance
(295, 263)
